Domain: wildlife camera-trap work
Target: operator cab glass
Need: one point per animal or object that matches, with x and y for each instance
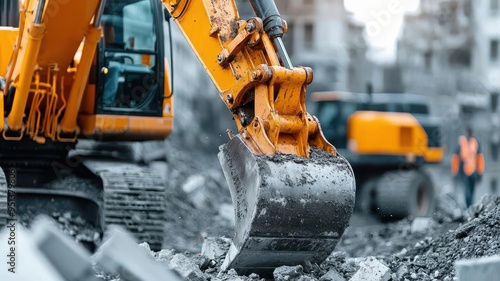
(130, 61)
(333, 116)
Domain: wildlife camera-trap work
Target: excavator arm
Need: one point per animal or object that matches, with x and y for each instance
(248, 64)
(293, 194)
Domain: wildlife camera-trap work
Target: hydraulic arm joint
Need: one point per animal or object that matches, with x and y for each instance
(249, 65)
(274, 26)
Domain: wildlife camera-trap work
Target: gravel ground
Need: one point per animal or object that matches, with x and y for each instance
(410, 253)
(200, 206)
(198, 189)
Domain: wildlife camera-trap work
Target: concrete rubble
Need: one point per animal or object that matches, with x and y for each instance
(419, 249)
(372, 270)
(215, 247)
(186, 268)
(481, 269)
(196, 241)
(332, 275)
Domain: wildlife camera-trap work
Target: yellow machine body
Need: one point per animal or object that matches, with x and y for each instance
(391, 133)
(387, 138)
(54, 99)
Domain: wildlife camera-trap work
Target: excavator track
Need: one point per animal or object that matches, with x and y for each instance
(3, 199)
(133, 197)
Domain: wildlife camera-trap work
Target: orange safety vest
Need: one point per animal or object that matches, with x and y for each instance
(468, 154)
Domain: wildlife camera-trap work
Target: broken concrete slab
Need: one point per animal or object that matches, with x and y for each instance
(448, 209)
(215, 247)
(165, 255)
(332, 275)
(70, 259)
(30, 262)
(114, 257)
(372, 270)
(186, 268)
(481, 269)
(288, 273)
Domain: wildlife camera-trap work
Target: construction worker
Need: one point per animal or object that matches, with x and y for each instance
(468, 164)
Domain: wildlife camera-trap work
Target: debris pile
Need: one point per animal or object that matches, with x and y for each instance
(434, 257)
(420, 249)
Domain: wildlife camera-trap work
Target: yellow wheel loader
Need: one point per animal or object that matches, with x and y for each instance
(96, 69)
(387, 138)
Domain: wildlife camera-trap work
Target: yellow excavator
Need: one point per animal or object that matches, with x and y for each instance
(389, 165)
(97, 69)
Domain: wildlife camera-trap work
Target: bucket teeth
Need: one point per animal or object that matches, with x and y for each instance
(289, 210)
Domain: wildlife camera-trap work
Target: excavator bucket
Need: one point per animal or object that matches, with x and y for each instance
(289, 210)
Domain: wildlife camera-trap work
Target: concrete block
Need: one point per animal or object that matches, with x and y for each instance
(421, 224)
(372, 270)
(215, 247)
(29, 262)
(231, 275)
(186, 268)
(114, 257)
(285, 273)
(147, 248)
(332, 275)
(481, 269)
(70, 259)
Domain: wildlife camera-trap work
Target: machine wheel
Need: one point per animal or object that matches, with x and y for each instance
(404, 193)
(365, 196)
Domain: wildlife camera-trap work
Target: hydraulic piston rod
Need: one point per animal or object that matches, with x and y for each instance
(273, 26)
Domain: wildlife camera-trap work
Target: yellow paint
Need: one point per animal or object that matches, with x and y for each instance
(434, 154)
(371, 132)
(168, 101)
(28, 63)
(68, 122)
(8, 37)
(120, 127)
(241, 61)
(1, 110)
(243, 65)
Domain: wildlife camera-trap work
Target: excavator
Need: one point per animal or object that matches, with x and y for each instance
(389, 167)
(98, 70)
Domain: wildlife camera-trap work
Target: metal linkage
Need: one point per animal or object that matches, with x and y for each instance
(274, 26)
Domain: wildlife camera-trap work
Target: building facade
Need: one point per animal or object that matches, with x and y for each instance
(324, 36)
(450, 51)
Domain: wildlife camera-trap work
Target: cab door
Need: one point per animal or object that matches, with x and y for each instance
(130, 62)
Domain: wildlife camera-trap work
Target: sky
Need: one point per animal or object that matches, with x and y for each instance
(383, 20)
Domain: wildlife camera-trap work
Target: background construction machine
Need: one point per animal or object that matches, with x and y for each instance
(387, 138)
(97, 70)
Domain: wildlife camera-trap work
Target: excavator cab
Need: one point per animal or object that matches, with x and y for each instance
(130, 65)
